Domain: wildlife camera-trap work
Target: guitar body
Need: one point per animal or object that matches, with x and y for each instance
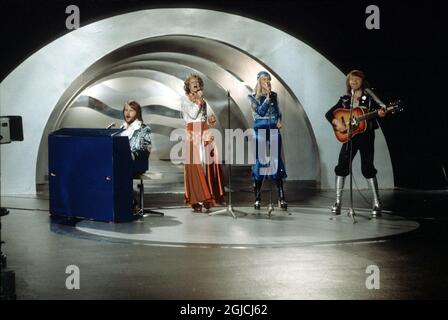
(344, 116)
(360, 118)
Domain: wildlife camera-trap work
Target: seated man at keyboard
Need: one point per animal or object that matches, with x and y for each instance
(138, 133)
(139, 136)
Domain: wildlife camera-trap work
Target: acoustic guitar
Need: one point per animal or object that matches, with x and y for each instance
(359, 119)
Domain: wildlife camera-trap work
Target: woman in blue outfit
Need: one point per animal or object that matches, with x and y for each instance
(267, 116)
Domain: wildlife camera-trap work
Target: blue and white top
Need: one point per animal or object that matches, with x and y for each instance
(139, 136)
(260, 110)
(264, 168)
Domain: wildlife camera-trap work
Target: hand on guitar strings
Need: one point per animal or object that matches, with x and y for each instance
(339, 126)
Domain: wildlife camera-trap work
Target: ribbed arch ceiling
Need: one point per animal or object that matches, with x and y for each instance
(62, 70)
(152, 71)
(167, 73)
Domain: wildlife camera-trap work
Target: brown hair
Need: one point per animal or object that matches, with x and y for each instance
(136, 107)
(356, 73)
(187, 82)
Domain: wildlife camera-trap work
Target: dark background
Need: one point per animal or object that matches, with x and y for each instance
(404, 59)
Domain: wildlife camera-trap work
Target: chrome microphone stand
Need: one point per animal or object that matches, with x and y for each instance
(229, 209)
(351, 211)
(271, 205)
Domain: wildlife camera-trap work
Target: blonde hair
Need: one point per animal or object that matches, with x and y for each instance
(258, 89)
(187, 82)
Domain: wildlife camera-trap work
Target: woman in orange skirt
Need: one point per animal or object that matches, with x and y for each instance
(203, 176)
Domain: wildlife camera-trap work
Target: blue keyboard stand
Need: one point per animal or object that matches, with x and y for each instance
(90, 174)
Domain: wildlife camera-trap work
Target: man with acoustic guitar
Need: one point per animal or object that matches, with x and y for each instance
(363, 136)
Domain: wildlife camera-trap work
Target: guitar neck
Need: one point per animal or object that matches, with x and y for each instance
(372, 115)
(368, 116)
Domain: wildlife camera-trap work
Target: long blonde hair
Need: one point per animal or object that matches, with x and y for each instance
(258, 88)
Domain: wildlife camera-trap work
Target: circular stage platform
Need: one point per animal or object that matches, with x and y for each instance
(297, 227)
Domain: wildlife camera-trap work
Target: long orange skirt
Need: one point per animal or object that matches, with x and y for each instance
(206, 187)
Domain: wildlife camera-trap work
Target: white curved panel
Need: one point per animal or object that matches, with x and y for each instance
(34, 88)
(116, 90)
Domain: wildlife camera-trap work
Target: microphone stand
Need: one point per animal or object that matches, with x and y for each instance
(351, 211)
(229, 208)
(271, 205)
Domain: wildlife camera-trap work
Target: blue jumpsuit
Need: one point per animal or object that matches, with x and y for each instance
(263, 169)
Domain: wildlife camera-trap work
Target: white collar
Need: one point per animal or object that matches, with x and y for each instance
(130, 128)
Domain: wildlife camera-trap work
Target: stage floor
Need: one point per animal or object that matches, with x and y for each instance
(185, 255)
(298, 226)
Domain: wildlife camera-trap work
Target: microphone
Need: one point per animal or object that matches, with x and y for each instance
(111, 125)
(375, 98)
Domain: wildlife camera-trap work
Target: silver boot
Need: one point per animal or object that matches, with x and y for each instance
(257, 191)
(336, 208)
(377, 205)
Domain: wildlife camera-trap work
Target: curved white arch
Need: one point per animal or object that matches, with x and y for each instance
(34, 88)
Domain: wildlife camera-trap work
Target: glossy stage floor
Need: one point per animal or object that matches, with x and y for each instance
(303, 253)
(299, 226)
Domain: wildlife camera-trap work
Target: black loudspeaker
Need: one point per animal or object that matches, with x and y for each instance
(8, 284)
(11, 129)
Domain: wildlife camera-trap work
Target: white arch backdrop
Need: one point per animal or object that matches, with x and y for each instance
(33, 89)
